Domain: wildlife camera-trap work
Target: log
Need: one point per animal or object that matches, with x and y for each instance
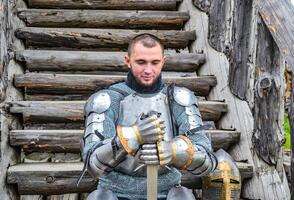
(111, 39)
(278, 17)
(103, 19)
(106, 4)
(239, 55)
(85, 84)
(69, 140)
(99, 61)
(266, 136)
(72, 111)
(60, 178)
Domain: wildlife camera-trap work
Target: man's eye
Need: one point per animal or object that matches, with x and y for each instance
(140, 62)
(155, 63)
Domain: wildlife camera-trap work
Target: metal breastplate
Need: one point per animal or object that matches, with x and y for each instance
(130, 108)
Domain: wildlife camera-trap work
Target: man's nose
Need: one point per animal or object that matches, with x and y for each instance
(148, 68)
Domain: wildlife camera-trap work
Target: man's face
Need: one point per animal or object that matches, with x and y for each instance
(145, 63)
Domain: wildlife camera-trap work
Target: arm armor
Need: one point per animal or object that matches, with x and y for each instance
(194, 151)
(102, 150)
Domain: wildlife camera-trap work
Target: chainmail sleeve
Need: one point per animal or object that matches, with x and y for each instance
(187, 118)
(101, 149)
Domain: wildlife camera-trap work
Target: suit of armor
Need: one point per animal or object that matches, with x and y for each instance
(110, 153)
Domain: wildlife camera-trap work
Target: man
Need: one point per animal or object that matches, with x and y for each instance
(140, 121)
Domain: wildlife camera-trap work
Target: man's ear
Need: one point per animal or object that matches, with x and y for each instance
(164, 59)
(127, 61)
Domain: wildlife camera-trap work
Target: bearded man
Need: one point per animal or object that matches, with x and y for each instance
(143, 120)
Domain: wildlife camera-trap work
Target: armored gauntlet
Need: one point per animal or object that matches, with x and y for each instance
(144, 131)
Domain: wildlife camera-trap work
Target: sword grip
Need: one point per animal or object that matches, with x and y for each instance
(152, 175)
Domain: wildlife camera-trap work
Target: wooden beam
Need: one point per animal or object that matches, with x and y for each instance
(103, 19)
(77, 84)
(60, 178)
(69, 140)
(111, 39)
(106, 4)
(86, 61)
(72, 111)
(278, 17)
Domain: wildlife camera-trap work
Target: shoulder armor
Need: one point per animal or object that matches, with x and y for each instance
(98, 103)
(184, 97)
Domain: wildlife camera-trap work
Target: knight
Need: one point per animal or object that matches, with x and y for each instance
(141, 121)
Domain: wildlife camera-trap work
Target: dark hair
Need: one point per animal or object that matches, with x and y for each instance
(148, 40)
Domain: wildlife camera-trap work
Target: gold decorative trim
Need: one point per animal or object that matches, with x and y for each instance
(190, 151)
(124, 141)
(137, 133)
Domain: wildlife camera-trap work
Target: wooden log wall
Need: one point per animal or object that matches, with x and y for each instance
(240, 113)
(8, 155)
(229, 32)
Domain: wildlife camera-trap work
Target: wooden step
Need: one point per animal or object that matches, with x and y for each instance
(60, 178)
(104, 18)
(106, 4)
(69, 140)
(72, 111)
(87, 84)
(69, 61)
(113, 39)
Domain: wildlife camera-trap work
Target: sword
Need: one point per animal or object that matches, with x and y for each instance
(152, 175)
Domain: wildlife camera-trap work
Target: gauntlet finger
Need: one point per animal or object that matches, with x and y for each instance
(149, 158)
(149, 146)
(149, 152)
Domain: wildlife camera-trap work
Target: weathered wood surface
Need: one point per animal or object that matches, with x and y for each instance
(114, 39)
(49, 178)
(103, 19)
(72, 111)
(203, 5)
(268, 182)
(60, 178)
(278, 17)
(106, 4)
(40, 60)
(72, 84)
(239, 53)
(69, 140)
(229, 32)
(266, 140)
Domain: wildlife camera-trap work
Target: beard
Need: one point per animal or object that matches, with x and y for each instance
(145, 84)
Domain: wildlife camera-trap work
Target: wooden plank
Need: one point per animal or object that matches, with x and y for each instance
(72, 111)
(266, 136)
(239, 55)
(103, 19)
(114, 39)
(106, 4)
(278, 17)
(69, 140)
(60, 178)
(85, 61)
(77, 84)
